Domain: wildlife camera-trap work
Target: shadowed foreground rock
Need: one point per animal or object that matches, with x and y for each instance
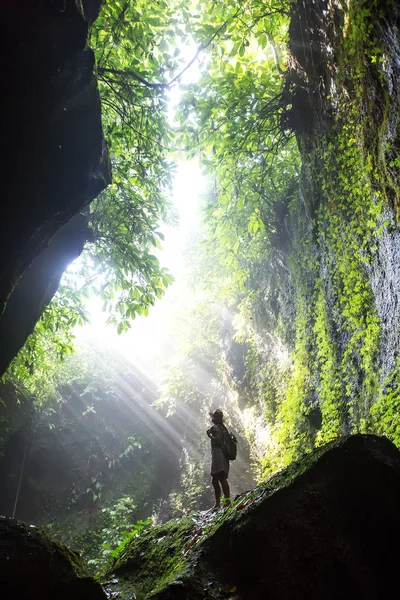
(325, 528)
(32, 567)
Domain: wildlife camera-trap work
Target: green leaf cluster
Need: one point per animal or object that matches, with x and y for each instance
(232, 118)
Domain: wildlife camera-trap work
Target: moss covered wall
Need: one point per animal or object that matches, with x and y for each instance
(344, 257)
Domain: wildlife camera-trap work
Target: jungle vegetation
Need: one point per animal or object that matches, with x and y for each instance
(281, 320)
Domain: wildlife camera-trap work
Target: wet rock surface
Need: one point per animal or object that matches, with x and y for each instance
(384, 274)
(320, 82)
(325, 528)
(32, 567)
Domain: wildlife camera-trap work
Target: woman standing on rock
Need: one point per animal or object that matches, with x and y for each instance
(219, 462)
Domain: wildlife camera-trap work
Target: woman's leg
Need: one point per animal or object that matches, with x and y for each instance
(217, 491)
(225, 488)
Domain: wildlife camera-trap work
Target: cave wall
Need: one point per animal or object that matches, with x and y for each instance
(343, 79)
(333, 286)
(55, 159)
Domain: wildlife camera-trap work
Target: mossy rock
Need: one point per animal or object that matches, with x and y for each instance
(326, 527)
(33, 567)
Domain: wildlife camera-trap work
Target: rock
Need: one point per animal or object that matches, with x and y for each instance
(327, 527)
(37, 286)
(32, 567)
(54, 159)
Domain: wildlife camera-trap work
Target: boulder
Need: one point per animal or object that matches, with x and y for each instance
(32, 567)
(327, 527)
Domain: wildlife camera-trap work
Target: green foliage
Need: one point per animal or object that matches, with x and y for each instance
(349, 223)
(135, 48)
(36, 369)
(330, 389)
(339, 299)
(291, 431)
(118, 532)
(102, 542)
(384, 418)
(116, 457)
(361, 45)
(232, 118)
(134, 44)
(191, 492)
(240, 141)
(157, 555)
(330, 254)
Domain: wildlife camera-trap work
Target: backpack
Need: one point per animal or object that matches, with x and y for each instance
(228, 444)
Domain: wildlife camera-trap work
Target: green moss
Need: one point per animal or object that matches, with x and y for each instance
(335, 359)
(384, 417)
(292, 433)
(150, 561)
(171, 552)
(290, 423)
(333, 409)
(348, 226)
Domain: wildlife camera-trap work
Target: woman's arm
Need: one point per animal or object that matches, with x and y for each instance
(214, 433)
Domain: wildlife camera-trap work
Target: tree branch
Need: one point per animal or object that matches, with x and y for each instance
(103, 70)
(163, 86)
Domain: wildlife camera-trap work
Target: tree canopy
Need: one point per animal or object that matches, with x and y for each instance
(231, 117)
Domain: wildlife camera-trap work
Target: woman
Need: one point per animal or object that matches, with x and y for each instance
(219, 462)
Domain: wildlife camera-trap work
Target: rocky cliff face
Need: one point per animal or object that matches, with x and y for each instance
(54, 157)
(339, 303)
